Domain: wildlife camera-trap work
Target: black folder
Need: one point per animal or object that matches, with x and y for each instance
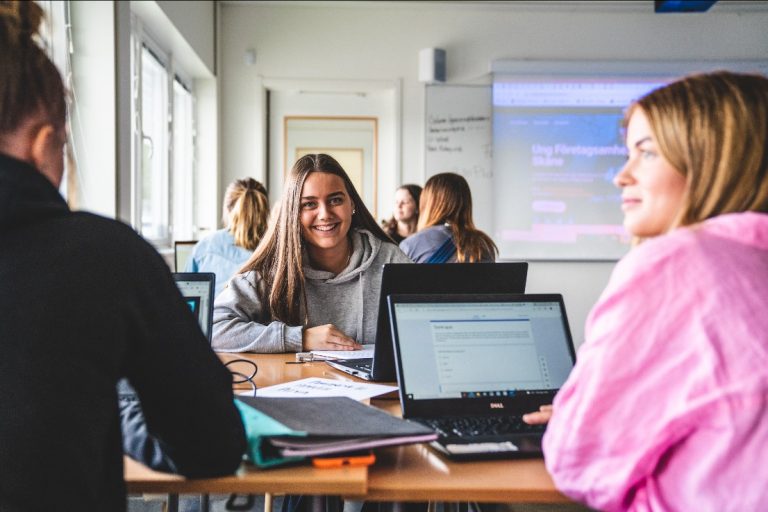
(283, 430)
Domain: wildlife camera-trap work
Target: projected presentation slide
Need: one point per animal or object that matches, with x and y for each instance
(557, 146)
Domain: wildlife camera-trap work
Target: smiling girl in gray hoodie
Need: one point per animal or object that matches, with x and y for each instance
(313, 282)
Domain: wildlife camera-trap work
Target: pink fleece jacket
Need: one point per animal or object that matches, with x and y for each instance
(667, 407)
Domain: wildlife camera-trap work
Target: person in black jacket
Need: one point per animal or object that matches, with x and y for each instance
(84, 301)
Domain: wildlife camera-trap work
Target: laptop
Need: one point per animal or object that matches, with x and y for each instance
(424, 278)
(470, 366)
(198, 291)
(182, 250)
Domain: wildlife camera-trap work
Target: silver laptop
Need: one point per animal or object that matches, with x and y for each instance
(397, 278)
(470, 366)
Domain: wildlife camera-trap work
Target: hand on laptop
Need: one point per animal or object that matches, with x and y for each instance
(540, 417)
(327, 337)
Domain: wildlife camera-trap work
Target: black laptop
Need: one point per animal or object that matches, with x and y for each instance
(198, 289)
(428, 278)
(470, 366)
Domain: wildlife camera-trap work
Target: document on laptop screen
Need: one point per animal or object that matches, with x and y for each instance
(455, 350)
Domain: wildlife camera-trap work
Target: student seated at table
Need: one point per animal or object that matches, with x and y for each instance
(246, 211)
(85, 301)
(313, 282)
(405, 216)
(667, 406)
(446, 232)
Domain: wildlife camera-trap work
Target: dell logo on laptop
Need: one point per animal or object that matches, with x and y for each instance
(497, 405)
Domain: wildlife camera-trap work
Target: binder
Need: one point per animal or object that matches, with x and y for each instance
(285, 430)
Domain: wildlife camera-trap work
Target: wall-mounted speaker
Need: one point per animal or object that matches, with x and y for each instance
(432, 65)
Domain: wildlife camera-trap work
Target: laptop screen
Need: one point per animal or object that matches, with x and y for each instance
(454, 348)
(198, 290)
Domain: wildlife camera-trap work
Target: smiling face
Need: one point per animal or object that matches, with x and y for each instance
(326, 212)
(406, 208)
(652, 189)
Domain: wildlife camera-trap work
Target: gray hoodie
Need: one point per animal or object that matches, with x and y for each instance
(349, 300)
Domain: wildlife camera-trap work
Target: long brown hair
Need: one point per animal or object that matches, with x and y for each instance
(30, 84)
(713, 128)
(246, 211)
(279, 259)
(447, 199)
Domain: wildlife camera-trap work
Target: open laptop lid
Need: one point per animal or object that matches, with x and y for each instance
(198, 291)
(479, 354)
(400, 278)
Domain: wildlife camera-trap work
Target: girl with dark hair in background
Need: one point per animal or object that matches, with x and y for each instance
(405, 217)
(446, 232)
(314, 280)
(246, 212)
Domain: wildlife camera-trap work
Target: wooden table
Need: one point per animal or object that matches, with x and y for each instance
(406, 473)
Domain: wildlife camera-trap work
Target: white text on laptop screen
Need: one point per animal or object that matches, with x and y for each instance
(454, 350)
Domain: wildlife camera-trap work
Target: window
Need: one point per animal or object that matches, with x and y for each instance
(55, 38)
(153, 175)
(163, 167)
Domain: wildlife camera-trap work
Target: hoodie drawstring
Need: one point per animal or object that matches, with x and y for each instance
(360, 327)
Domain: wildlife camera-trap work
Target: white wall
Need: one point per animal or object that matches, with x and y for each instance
(194, 21)
(381, 41)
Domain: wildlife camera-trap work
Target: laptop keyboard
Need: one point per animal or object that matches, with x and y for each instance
(474, 426)
(360, 364)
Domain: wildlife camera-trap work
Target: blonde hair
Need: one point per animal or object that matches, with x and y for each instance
(713, 128)
(246, 211)
(446, 198)
(279, 259)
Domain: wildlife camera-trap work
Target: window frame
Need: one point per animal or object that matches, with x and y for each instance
(176, 223)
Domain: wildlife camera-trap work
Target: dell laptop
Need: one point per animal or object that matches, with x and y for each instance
(470, 366)
(399, 278)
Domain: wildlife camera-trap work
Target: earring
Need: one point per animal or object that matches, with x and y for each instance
(353, 211)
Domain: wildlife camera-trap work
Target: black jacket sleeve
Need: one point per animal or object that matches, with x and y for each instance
(190, 424)
(140, 444)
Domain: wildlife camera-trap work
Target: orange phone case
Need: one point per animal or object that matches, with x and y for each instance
(363, 459)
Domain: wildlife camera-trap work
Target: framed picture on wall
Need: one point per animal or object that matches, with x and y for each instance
(352, 141)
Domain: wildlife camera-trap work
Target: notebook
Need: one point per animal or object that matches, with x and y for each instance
(283, 430)
(470, 366)
(424, 278)
(198, 288)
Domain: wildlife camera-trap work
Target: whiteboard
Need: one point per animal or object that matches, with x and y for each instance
(458, 139)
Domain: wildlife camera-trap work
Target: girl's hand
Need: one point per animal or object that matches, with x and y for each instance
(539, 418)
(327, 337)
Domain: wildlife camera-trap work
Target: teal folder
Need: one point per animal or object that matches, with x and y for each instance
(284, 430)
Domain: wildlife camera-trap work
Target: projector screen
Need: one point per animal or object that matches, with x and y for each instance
(557, 145)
